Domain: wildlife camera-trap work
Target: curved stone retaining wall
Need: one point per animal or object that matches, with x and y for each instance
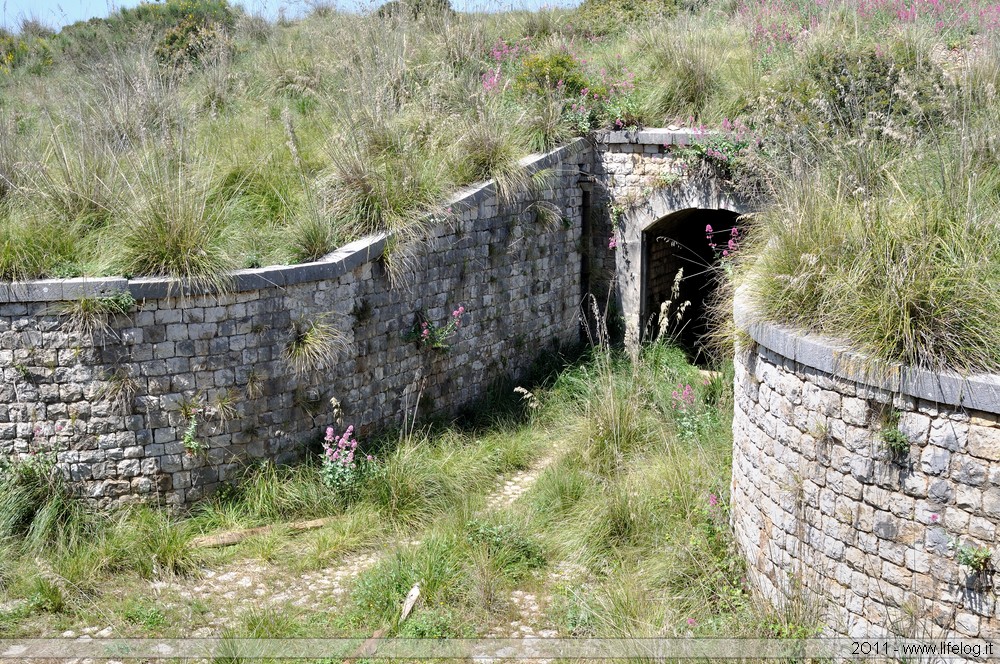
(172, 396)
(820, 506)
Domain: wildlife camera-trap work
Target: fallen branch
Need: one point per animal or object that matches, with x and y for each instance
(237, 536)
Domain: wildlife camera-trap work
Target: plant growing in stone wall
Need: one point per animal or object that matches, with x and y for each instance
(119, 391)
(223, 406)
(893, 439)
(192, 444)
(315, 345)
(254, 387)
(428, 335)
(979, 560)
(89, 316)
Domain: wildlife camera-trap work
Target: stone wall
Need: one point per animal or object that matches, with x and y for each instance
(822, 507)
(170, 398)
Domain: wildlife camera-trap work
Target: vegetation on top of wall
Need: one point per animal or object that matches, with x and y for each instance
(872, 128)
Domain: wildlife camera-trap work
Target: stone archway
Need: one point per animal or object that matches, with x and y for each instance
(645, 267)
(679, 256)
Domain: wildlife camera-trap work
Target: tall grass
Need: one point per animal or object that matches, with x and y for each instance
(424, 477)
(172, 231)
(646, 525)
(899, 263)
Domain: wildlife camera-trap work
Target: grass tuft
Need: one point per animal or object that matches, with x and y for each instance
(175, 233)
(314, 346)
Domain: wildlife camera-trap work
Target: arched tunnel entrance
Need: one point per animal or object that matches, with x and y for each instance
(680, 241)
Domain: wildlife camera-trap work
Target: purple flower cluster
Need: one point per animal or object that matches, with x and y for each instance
(503, 52)
(732, 245)
(432, 336)
(341, 468)
(683, 396)
(340, 450)
(491, 79)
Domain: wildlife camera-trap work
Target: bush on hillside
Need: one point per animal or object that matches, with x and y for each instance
(414, 9)
(600, 17)
(540, 73)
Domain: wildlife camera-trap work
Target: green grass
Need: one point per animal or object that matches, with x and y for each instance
(643, 518)
(898, 263)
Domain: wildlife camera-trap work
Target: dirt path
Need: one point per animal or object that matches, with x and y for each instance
(217, 599)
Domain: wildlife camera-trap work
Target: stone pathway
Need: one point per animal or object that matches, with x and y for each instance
(520, 482)
(226, 592)
(530, 620)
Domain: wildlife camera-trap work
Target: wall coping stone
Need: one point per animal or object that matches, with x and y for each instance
(977, 392)
(683, 136)
(342, 260)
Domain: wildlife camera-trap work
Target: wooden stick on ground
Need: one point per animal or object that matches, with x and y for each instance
(237, 536)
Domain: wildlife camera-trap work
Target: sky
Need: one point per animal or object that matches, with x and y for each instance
(57, 13)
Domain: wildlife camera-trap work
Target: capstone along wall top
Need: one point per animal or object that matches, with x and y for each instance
(975, 392)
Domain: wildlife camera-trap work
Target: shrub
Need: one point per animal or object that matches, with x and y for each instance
(188, 41)
(28, 51)
(415, 9)
(556, 71)
(601, 17)
(978, 559)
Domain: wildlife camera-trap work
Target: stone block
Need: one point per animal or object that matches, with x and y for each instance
(984, 442)
(915, 426)
(940, 491)
(968, 470)
(934, 460)
(948, 434)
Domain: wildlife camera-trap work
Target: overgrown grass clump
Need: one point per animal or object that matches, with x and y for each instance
(905, 274)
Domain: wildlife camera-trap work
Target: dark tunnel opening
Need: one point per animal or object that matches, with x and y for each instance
(677, 242)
